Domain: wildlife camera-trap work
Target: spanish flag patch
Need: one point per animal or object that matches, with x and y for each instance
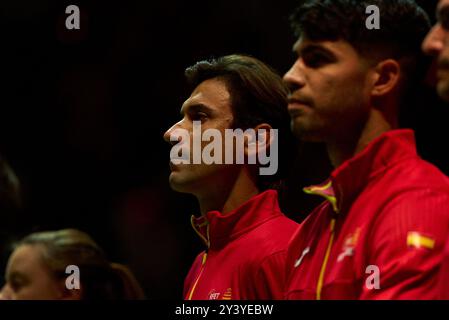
(418, 240)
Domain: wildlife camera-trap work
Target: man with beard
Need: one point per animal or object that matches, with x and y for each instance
(380, 232)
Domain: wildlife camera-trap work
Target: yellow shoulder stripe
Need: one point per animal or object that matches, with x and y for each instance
(417, 240)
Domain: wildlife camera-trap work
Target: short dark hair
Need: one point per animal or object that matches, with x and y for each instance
(258, 95)
(403, 26)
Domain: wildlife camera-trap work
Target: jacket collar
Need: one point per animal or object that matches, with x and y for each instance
(350, 178)
(217, 229)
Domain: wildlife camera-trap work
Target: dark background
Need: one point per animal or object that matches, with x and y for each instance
(82, 115)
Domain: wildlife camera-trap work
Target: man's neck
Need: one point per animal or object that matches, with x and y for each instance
(226, 200)
(376, 125)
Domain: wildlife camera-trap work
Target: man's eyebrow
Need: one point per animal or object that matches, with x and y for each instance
(196, 107)
(309, 47)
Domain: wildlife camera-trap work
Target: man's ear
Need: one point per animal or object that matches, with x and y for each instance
(258, 142)
(386, 77)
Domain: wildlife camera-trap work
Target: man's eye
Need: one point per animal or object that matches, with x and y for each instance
(199, 116)
(315, 60)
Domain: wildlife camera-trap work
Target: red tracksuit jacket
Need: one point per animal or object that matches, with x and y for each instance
(444, 274)
(246, 252)
(381, 232)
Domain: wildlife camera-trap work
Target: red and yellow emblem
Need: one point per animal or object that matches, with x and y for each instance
(228, 294)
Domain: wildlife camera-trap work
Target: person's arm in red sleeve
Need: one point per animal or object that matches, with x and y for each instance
(406, 245)
(444, 274)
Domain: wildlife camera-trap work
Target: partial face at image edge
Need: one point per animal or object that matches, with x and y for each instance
(436, 44)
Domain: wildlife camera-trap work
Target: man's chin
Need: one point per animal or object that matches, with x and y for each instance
(301, 132)
(296, 128)
(179, 188)
(178, 184)
(174, 182)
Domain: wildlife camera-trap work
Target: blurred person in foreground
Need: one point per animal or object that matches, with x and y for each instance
(37, 270)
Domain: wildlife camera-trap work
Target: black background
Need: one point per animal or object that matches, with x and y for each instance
(82, 114)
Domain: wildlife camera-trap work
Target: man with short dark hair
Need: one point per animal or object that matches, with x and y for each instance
(241, 224)
(381, 230)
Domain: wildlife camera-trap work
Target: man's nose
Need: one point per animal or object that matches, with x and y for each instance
(169, 132)
(167, 135)
(294, 77)
(434, 41)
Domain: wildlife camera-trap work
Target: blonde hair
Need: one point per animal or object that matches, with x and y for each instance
(100, 279)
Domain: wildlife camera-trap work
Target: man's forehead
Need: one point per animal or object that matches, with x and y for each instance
(195, 99)
(208, 92)
(25, 253)
(304, 43)
(213, 86)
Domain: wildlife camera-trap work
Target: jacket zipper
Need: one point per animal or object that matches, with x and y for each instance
(326, 258)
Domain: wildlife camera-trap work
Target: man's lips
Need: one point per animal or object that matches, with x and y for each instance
(296, 107)
(297, 100)
(173, 167)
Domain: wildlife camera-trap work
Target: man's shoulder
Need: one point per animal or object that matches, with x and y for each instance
(270, 237)
(412, 174)
(278, 228)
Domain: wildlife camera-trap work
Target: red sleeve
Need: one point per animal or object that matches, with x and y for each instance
(270, 278)
(191, 276)
(406, 244)
(444, 274)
